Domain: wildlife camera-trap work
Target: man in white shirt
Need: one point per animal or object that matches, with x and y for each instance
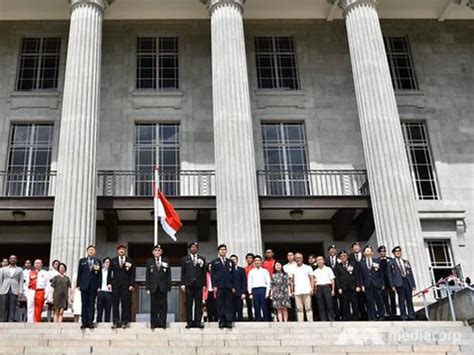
(302, 283)
(325, 289)
(258, 284)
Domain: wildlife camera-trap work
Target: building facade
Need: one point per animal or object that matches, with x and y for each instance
(285, 124)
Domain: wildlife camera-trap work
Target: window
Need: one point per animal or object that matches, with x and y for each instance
(157, 145)
(29, 160)
(400, 63)
(285, 157)
(39, 64)
(420, 160)
(157, 63)
(441, 259)
(276, 63)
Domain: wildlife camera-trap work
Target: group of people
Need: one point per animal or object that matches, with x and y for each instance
(344, 285)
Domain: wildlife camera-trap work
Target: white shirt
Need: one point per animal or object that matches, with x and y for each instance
(358, 256)
(103, 286)
(324, 275)
(333, 260)
(259, 277)
(289, 267)
(301, 279)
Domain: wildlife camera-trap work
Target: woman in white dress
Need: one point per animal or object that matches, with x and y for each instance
(76, 301)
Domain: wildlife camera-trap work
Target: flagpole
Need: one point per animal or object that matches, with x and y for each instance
(155, 205)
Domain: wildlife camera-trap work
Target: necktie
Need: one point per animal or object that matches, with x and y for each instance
(369, 263)
(223, 261)
(121, 261)
(345, 266)
(333, 263)
(402, 267)
(194, 260)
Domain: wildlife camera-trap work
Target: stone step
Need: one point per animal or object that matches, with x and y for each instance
(346, 338)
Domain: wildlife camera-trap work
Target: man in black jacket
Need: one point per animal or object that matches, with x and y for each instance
(158, 284)
(89, 278)
(240, 287)
(222, 274)
(122, 282)
(347, 286)
(193, 279)
(388, 293)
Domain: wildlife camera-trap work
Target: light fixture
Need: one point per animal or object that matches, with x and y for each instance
(296, 215)
(18, 216)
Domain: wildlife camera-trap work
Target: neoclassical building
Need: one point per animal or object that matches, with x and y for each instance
(290, 125)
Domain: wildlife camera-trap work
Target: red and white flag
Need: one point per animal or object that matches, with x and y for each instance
(164, 210)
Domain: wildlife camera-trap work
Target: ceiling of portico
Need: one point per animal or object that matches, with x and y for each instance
(254, 9)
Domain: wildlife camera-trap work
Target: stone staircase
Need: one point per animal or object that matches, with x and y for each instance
(349, 338)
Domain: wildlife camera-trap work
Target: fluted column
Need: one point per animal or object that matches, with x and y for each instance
(391, 189)
(238, 214)
(74, 219)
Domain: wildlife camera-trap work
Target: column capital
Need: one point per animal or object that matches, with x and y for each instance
(213, 4)
(347, 5)
(100, 3)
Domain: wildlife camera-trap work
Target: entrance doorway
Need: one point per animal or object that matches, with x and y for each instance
(140, 253)
(281, 249)
(27, 252)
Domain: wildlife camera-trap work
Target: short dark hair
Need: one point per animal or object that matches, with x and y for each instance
(314, 256)
(106, 258)
(62, 264)
(343, 251)
(249, 254)
(234, 256)
(258, 257)
(368, 247)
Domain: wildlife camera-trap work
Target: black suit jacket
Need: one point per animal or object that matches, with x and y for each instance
(121, 277)
(222, 274)
(373, 276)
(191, 273)
(240, 281)
(328, 262)
(347, 279)
(87, 276)
(353, 258)
(158, 279)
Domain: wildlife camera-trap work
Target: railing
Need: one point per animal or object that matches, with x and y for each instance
(312, 183)
(27, 183)
(445, 286)
(137, 183)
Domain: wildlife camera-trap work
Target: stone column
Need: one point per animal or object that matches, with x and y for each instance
(238, 213)
(74, 219)
(392, 196)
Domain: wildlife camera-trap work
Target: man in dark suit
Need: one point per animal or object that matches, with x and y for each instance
(122, 282)
(240, 287)
(388, 293)
(158, 284)
(193, 280)
(356, 257)
(372, 281)
(331, 261)
(401, 279)
(222, 274)
(89, 279)
(347, 286)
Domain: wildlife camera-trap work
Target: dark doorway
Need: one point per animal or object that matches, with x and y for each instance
(281, 249)
(27, 252)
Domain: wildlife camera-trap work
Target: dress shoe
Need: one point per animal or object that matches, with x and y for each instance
(199, 325)
(83, 326)
(115, 326)
(189, 325)
(125, 326)
(222, 325)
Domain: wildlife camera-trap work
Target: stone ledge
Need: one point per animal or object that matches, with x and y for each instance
(280, 98)
(34, 99)
(157, 99)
